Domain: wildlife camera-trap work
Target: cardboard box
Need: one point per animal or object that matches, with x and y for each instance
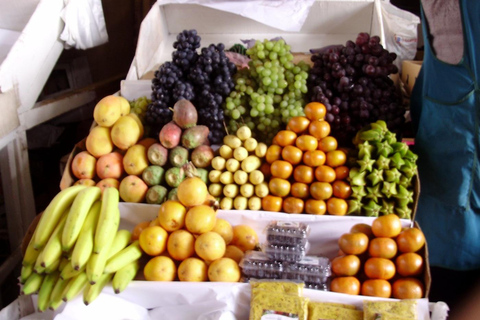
(410, 70)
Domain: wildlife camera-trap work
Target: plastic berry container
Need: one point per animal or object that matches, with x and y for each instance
(258, 265)
(287, 232)
(287, 253)
(315, 271)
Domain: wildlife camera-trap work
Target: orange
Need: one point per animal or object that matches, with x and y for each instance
(306, 142)
(181, 244)
(382, 248)
(379, 268)
(193, 270)
(224, 270)
(244, 237)
(315, 111)
(408, 288)
(303, 173)
(138, 229)
(313, 158)
(388, 226)
(171, 215)
(325, 173)
(337, 206)
(161, 268)
(272, 203)
(319, 129)
(192, 192)
(341, 189)
(410, 240)
(364, 228)
(279, 187)
(313, 206)
(210, 246)
(281, 169)
(300, 190)
(292, 154)
(353, 243)
(328, 144)
(409, 264)
(342, 172)
(376, 288)
(153, 240)
(346, 265)
(321, 190)
(335, 158)
(347, 285)
(298, 124)
(285, 138)
(274, 152)
(200, 219)
(293, 205)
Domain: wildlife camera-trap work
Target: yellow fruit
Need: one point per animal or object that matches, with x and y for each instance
(153, 240)
(234, 252)
(160, 268)
(192, 192)
(171, 215)
(200, 219)
(224, 270)
(210, 246)
(244, 237)
(181, 244)
(193, 270)
(224, 228)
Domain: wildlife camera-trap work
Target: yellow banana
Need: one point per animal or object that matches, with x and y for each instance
(124, 276)
(131, 253)
(122, 239)
(45, 291)
(77, 215)
(75, 286)
(84, 245)
(31, 254)
(53, 248)
(108, 220)
(92, 291)
(96, 263)
(37, 267)
(33, 283)
(56, 295)
(25, 272)
(63, 264)
(69, 271)
(53, 213)
(53, 266)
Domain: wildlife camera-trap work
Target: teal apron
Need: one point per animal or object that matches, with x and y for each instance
(445, 109)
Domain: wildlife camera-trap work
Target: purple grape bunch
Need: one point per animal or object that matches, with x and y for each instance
(204, 78)
(353, 83)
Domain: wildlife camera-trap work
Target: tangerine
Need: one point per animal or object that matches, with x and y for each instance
(347, 285)
(313, 206)
(408, 288)
(376, 288)
(353, 243)
(379, 268)
(315, 111)
(388, 226)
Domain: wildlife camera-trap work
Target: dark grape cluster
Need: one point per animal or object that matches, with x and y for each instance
(353, 83)
(204, 78)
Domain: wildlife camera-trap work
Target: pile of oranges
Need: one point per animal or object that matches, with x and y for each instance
(307, 171)
(380, 260)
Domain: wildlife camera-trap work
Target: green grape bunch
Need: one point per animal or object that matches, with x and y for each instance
(269, 92)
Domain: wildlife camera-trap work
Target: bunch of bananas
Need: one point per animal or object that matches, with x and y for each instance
(77, 247)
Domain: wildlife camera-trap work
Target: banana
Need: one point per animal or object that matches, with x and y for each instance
(84, 245)
(53, 266)
(25, 272)
(122, 239)
(75, 286)
(45, 291)
(70, 272)
(53, 213)
(77, 215)
(92, 291)
(63, 264)
(53, 248)
(108, 220)
(124, 276)
(31, 254)
(37, 267)
(131, 253)
(33, 283)
(56, 295)
(96, 263)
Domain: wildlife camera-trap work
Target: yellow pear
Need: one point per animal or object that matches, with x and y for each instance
(99, 142)
(139, 122)
(125, 132)
(124, 106)
(107, 111)
(135, 160)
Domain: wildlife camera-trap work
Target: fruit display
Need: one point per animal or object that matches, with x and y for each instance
(307, 170)
(236, 178)
(269, 92)
(382, 173)
(77, 248)
(381, 260)
(187, 242)
(353, 82)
